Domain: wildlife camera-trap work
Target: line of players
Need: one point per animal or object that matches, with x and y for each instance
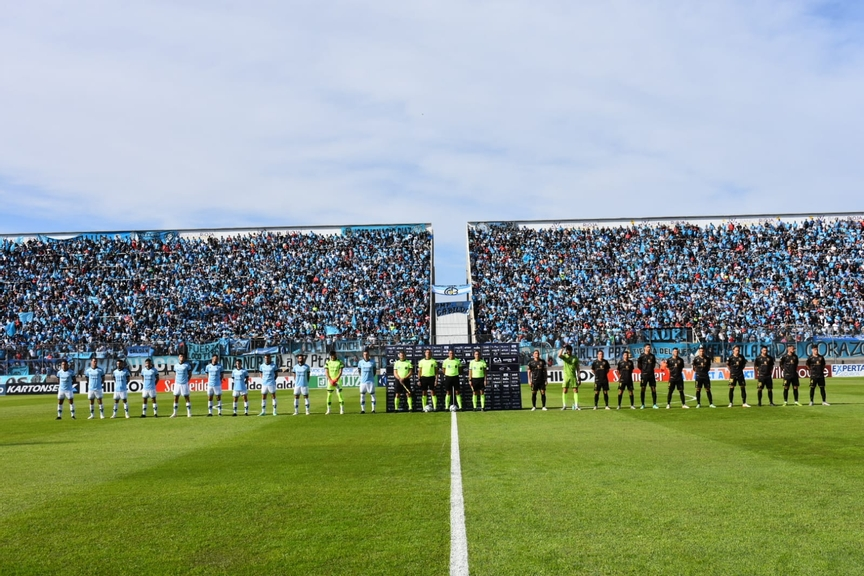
(239, 385)
(763, 366)
(429, 372)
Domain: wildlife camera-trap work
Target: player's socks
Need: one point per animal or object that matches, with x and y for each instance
(575, 398)
(362, 402)
(654, 396)
(710, 397)
(770, 396)
(542, 399)
(683, 401)
(410, 403)
(307, 405)
(483, 401)
(154, 408)
(329, 398)
(339, 396)
(373, 401)
(210, 407)
(759, 396)
(219, 406)
(447, 400)
(620, 396)
(102, 410)
(795, 394)
(669, 397)
(246, 407)
(274, 405)
(175, 407)
(296, 404)
(396, 403)
(533, 399)
(474, 401)
(116, 406)
(235, 407)
(606, 399)
(822, 392)
(642, 396)
(632, 400)
(459, 401)
(92, 408)
(59, 410)
(743, 396)
(72, 410)
(563, 399)
(731, 394)
(263, 406)
(434, 401)
(596, 398)
(785, 395)
(698, 397)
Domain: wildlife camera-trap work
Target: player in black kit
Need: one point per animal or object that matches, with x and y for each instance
(816, 364)
(789, 366)
(764, 367)
(646, 363)
(601, 379)
(675, 365)
(625, 379)
(701, 366)
(736, 364)
(537, 378)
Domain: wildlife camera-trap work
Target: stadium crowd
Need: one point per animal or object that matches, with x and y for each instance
(277, 285)
(599, 285)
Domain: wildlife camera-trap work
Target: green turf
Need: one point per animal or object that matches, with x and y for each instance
(723, 491)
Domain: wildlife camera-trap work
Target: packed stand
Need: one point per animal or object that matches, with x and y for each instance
(112, 291)
(770, 280)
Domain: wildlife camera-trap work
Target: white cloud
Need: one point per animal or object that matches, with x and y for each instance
(215, 114)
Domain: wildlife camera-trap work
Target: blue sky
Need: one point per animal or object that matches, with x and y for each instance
(196, 114)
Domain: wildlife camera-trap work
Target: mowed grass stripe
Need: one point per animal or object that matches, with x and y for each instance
(318, 495)
(655, 493)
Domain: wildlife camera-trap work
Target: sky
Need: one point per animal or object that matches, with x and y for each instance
(195, 114)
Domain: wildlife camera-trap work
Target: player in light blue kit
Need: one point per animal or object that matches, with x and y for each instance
(150, 376)
(66, 390)
(367, 380)
(95, 379)
(240, 386)
(214, 384)
(269, 371)
(301, 383)
(182, 371)
(121, 387)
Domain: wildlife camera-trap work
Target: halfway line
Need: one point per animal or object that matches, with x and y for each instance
(458, 536)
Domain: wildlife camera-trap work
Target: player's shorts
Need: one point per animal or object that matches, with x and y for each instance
(703, 382)
(570, 382)
(332, 387)
(269, 389)
(794, 381)
(67, 394)
(452, 383)
(817, 382)
(538, 386)
(648, 380)
(93, 394)
(737, 381)
(478, 384)
(604, 386)
(148, 393)
(766, 383)
(676, 384)
(367, 387)
(427, 383)
(213, 391)
(180, 389)
(240, 392)
(121, 395)
(301, 391)
(626, 385)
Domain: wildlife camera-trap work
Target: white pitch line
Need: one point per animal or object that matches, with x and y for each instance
(458, 536)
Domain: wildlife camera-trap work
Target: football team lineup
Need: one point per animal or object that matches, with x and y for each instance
(428, 376)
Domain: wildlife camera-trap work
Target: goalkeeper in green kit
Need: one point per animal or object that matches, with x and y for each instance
(571, 376)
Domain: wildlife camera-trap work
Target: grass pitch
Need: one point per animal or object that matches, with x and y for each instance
(710, 491)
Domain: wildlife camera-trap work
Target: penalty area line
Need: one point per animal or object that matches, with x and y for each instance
(458, 536)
